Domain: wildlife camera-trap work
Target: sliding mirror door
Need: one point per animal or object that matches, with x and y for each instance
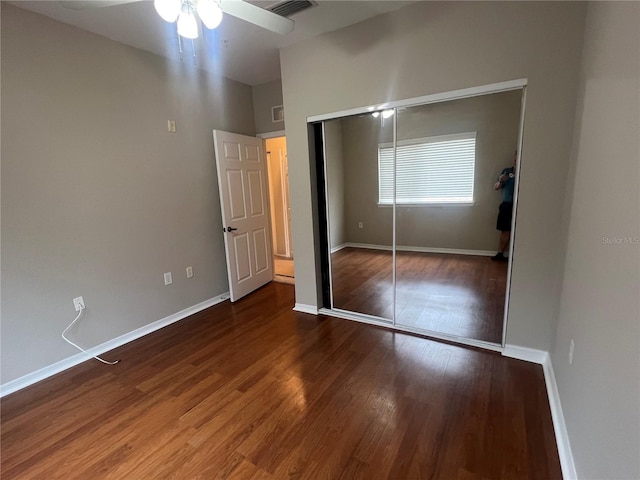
(449, 156)
(360, 228)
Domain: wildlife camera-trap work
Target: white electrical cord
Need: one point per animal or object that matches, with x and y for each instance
(77, 346)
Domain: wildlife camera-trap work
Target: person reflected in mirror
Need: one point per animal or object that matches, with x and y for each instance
(505, 184)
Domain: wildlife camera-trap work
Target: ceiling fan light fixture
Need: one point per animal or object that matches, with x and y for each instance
(209, 12)
(168, 9)
(187, 24)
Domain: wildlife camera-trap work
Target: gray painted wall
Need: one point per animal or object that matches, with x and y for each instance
(361, 136)
(98, 199)
(265, 96)
(432, 47)
(600, 310)
(495, 118)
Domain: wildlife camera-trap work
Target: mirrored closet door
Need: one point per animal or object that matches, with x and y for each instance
(412, 198)
(360, 232)
(448, 158)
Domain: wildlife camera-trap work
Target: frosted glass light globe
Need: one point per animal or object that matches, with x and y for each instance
(168, 9)
(187, 25)
(209, 13)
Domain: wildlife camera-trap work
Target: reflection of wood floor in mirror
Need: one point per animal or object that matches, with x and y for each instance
(455, 294)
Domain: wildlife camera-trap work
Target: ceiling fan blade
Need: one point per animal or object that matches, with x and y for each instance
(258, 16)
(84, 4)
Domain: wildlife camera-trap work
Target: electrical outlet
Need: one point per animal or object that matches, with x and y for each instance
(171, 126)
(78, 303)
(168, 279)
(360, 224)
(572, 347)
(189, 272)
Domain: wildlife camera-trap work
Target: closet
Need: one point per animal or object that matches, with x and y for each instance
(408, 200)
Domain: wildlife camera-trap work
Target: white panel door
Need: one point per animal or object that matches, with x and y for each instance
(240, 163)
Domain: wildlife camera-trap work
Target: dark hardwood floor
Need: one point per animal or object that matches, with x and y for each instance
(455, 294)
(253, 390)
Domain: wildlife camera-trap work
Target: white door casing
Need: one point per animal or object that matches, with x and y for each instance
(240, 164)
(287, 205)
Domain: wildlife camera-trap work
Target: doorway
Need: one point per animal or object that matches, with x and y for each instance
(279, 200)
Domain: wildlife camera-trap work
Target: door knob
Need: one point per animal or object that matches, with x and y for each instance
(230, 229)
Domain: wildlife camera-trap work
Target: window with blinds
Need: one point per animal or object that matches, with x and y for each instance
(428, 170)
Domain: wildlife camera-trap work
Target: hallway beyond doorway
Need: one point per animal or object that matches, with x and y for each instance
(283, 270)
(278, 173)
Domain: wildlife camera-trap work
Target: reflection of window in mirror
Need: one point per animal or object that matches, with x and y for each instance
(429, 171)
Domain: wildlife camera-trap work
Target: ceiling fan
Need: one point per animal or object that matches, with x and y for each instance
(210, 13)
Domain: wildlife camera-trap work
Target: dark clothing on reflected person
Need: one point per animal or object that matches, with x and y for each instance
(505, 211)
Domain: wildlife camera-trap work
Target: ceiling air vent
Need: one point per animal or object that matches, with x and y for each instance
(291, 7)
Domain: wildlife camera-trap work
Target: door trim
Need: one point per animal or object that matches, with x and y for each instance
(276, 134)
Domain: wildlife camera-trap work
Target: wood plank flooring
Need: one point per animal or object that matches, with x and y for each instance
(253, 390)
(455, 294)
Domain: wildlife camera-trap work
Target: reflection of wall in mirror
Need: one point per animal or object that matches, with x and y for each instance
(496, 120)
(335, 185)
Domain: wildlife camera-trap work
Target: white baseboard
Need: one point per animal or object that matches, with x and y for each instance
(370, 246)
(405, 248)
(43, 373)
(559, 426)
(338, 247)
(523, 353)
(453, 251)
(301, 307)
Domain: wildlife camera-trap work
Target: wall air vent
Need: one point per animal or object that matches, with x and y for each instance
(291, 7)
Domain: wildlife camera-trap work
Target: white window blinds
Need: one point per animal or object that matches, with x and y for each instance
(428, 170)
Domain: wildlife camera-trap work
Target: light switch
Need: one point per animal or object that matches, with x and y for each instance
(171, 126)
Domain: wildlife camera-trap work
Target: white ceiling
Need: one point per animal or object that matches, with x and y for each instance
(236, 49)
